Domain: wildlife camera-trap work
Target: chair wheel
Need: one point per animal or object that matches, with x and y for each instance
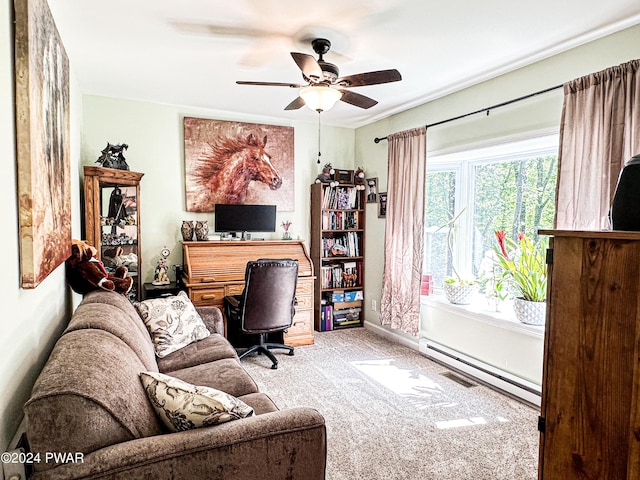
(274, 366)
(291, 353)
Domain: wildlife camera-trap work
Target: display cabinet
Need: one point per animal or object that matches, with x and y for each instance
(337, 252)
(112, 219)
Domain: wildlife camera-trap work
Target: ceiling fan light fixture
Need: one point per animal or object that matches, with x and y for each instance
(320, 97)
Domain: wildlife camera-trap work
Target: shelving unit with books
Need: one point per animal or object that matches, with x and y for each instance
(337, 253)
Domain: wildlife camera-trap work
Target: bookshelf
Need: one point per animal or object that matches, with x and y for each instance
(337, 253)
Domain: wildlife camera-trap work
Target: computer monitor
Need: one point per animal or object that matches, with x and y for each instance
(234, 218)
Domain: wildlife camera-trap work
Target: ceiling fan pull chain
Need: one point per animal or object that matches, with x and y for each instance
(319, 111)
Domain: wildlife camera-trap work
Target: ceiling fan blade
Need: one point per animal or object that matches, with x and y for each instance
(308, 65)
(296, 104)
(369, 78)
(270, 84)
(224, 30)
(356, 99)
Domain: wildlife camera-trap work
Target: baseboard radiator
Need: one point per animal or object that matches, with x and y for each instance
(527, 391)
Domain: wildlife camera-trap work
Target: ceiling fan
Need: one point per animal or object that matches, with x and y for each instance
(324, 87)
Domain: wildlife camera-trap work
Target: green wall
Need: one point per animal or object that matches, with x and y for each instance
(540, 113)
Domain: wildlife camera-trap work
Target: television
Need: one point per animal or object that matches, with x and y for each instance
(233, 218)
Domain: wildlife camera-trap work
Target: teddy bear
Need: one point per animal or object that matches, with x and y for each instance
(358, 178)
(326, 176)
(86, 273)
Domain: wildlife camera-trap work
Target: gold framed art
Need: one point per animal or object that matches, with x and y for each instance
(43, 154)
(237, 163)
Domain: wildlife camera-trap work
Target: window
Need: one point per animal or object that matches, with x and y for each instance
(471, 194)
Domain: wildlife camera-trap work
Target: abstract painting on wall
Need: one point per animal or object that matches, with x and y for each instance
(42, 130)
(237, 163)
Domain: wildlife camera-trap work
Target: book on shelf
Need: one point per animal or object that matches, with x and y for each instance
(343, 244)
(341, 275)
(348, 316)
(326, 318)
(341, 197)
(338, 220)
(346, 323)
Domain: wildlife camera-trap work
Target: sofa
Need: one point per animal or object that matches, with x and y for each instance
(88, 405)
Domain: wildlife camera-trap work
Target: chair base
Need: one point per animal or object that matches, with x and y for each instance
(264, 348)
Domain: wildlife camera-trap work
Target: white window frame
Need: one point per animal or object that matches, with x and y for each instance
(464, 160)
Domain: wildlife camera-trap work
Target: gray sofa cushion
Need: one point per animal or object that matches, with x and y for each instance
(214, 347)
(226, 374)
(129, 329)
(260, 402)
(103, 385)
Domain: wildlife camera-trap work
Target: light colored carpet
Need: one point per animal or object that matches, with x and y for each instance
(392, 414)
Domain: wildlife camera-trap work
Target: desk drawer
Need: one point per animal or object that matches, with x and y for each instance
(301, 330)
(208, 296)
(304, 301)
(234, 288)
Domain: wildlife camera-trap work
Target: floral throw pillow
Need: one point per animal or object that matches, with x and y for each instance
(173, 322)
(182, 406)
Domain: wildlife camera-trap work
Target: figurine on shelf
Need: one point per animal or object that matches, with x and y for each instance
(117, 212)
(160, 276)
(358, 178)
(326, 176)
(112, 157)
(286, 235)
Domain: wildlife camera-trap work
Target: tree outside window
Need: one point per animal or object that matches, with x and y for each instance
(512, 188)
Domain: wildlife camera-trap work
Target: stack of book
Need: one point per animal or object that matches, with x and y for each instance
(345, 198)
(341, 275)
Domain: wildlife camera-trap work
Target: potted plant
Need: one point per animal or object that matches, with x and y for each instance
(457, 290)
(524, 267)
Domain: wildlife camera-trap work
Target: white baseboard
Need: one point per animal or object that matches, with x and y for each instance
(410, 342)
(485, 373)
(14, 470)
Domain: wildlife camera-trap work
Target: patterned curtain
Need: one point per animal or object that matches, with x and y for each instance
(404, 241)
(599, 132)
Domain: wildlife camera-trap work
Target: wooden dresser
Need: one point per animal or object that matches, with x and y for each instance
(590, 415)
(215, 269)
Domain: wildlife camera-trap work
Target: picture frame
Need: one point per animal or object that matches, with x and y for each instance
(382, 205)
(343, 176)
(218, 170)
(371, 190)
(43, 142)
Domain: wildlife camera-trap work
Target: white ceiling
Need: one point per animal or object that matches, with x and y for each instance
(183, 52)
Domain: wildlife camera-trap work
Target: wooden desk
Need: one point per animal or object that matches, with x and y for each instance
(214, 269)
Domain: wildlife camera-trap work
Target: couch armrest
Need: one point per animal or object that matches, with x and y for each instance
(288, 444)
(212, 317)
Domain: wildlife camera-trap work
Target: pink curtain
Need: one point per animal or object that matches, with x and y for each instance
(599, 132)
(404, 241)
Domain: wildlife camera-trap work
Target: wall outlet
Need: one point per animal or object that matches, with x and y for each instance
(374, 305)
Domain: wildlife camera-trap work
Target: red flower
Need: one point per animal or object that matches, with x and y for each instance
(520, 236)
(501, 235)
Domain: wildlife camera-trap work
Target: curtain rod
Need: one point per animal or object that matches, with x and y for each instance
(487, 109)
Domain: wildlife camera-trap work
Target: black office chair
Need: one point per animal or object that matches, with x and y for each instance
(266, 305)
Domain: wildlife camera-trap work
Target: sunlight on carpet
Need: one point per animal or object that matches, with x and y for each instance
(393, 414)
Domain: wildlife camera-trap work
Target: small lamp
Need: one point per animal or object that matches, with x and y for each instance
(320, 98)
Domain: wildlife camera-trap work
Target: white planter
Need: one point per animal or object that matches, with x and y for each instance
(530, 313)
(459, 294)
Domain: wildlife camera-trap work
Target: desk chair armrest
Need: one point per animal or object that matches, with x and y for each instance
(234, 300)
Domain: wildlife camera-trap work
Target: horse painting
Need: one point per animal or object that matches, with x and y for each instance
(232, 163)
